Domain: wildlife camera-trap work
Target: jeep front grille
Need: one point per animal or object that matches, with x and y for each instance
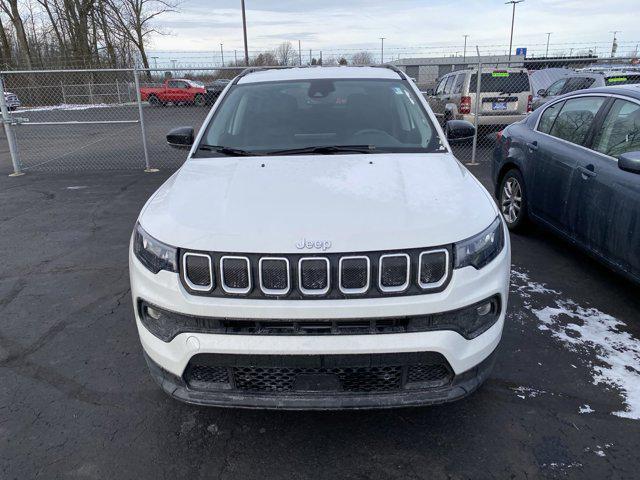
(329, 276)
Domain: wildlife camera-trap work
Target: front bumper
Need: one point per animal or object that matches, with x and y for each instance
(461, 386)
(491, 119)
(468, 360)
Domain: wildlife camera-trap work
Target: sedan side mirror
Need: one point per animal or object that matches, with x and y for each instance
(458, 131)
(542, 92)
(629, 162)
(181, 137)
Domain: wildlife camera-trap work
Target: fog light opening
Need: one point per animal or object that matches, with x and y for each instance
(484, 309)
(153, 313)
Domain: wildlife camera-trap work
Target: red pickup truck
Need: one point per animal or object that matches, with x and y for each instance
(176, 91)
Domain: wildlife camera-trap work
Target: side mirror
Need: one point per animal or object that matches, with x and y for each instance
(629, 162)
(181, 137)
(542, 92)
(458, 131)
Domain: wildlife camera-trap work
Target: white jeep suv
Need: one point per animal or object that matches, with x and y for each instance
(320, 248)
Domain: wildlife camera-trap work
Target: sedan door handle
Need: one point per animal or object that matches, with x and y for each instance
(587, 172)
(533, 145)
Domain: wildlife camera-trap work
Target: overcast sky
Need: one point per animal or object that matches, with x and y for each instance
(334, 25)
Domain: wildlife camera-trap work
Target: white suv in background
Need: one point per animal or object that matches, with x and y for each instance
(320, 248)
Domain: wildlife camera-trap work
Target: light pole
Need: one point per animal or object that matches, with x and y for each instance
(513, 17)
(244, 30)
(382, 49)
(464, 52)
(222, 55)
(614, 45)
(548, 37)
(299, 54)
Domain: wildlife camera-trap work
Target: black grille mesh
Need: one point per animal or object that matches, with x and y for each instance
(275, 274)
(314, 274)
(197, 270)
(394, 271)
(354, 273)
(433, 266)
(282, 379)
(341, 374)
(202, 375)
(427, 373)
(235, 273)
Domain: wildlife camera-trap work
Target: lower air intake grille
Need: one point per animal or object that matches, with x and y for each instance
(302, 374)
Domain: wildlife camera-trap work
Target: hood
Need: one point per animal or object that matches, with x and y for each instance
(345, 203)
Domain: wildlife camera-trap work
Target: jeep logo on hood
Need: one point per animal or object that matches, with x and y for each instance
(313, 244)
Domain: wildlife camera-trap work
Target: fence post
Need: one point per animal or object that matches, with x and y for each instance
(64, 99)
(136, 78)
(11, 140)
(118, 90)
(477, 111)
(91, 91)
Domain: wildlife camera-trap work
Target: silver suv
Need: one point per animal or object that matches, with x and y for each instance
(505, 96)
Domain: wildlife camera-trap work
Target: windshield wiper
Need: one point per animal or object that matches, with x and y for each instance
(325, 150)
(232, 152)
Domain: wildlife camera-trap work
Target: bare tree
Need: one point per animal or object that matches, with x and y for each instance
(133, 19)
(285, 54)
(12, 10)
(264, 59)
(362, 58)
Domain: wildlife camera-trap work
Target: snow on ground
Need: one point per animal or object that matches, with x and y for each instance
(583, 329)
(69, 106)
(586, 409)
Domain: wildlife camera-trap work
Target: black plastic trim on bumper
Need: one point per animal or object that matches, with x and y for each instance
(461, 386)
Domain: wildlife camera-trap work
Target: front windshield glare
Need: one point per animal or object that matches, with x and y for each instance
(350, 116)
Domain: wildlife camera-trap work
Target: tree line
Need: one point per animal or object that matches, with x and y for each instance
(77, 33)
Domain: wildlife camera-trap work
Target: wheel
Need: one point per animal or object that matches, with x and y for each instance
(154, 101)
(513, 199)
(199, 100)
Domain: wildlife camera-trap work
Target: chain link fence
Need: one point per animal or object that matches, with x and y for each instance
(82, 120)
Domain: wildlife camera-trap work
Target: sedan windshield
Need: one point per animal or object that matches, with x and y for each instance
(319, 117)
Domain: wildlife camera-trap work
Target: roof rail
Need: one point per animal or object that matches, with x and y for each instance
(249, 70)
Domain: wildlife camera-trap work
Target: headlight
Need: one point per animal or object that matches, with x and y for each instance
(479, 250)
(152, 253)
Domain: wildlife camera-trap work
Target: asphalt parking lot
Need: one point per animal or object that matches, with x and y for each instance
(76, 400)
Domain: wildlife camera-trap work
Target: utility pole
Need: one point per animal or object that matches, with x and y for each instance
(222, 55)
(244, 30)
(548, 37)
(464, 52)
(310, 58)
(614, 45)
(382, 49)
(299, 54)
(513, 17)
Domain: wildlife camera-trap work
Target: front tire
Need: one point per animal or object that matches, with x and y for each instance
(154, 101)
(513, 200)
(199, 100)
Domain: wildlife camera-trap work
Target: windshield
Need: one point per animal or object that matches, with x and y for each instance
(332, 116)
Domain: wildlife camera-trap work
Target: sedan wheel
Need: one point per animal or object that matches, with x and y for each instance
(512, 199)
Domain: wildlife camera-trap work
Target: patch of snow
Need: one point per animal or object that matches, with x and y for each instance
(586, 409)
(528, 392)
(69, 106)
(583, 329)
(76, 187)
(600, 453)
